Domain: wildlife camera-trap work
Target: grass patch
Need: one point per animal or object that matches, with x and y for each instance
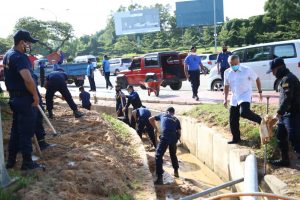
(117, 125)
(215, 115)
(10, 193)
(120, 197)
(298, 177)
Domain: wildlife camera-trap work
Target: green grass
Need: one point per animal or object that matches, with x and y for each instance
(215, 115)
(120, 197)
(10, 193)
(117, 126)
(298, 177)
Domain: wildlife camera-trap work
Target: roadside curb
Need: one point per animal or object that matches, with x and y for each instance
(276, 185)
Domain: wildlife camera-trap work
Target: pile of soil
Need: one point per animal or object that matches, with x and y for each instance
(90, 160)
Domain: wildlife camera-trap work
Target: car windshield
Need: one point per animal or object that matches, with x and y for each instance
(213, 57)
(126, 60)
(92, 59)
(203, 57)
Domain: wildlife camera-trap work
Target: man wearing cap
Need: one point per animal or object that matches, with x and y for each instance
(288, 113)
(56, 81)
(239, 79)
(23, 100)
(222, 61)
(135, 101)
(170, 134)
(192, 67)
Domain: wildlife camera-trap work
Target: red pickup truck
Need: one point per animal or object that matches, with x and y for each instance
(168, 67)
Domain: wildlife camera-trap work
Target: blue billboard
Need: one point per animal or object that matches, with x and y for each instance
(198, 13)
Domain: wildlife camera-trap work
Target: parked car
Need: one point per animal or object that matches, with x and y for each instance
(168, 67)
(76, 71)
(119, 64)
(258, 58)
(85, 59)
(209, 60)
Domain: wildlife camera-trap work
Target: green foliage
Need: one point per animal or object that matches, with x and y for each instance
(120, 197)
(117, 125)
(5, 44)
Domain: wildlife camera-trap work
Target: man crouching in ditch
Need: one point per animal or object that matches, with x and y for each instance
(170, 134)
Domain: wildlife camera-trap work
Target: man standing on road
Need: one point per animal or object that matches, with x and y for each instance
(170, 134)
(239, 79)
(56, 82)
(23, 100)
(192, 68)
(106, 71)
(90, 74)
(134, 99)
(288, 113)
(222, 61)
(141, 116)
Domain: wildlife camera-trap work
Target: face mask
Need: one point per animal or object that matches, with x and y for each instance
(27, 48)
(224, 50)
(235, 67)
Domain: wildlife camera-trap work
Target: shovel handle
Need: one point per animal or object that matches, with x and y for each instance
(47, 120)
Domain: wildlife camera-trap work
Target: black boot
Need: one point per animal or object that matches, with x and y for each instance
(50, 114)
(43, 145)
(28, 164)
(283, 162)
(176, 174)
(159, 180)
(11, 161)
(77, 114)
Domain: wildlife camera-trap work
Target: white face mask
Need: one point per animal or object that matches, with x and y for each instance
(27, 48)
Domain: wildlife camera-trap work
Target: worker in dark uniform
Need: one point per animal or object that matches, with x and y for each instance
(170, 134)
(120, 104)
(56, 81)
(135, 101)
(23, 100)
(288, 114)
(42, 73)
(222, 61)
(192, 68)
(141, 116)
(85, 97)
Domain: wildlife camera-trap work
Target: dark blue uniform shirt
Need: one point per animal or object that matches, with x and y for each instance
(143, 114)
(85, 98)
(223, 59)
(56, 78)
(15, 61)
(134, 99)
(169, 126)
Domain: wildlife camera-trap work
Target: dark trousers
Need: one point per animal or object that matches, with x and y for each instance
(108, 83)
(39, 127)
(145, 124)
(161, 150)
(289, 130)
(244, 111)
(222, 70)
(63, 89)
(88, 107)
(42, 76)
(195, 81)
(23, 126)
(92, 83)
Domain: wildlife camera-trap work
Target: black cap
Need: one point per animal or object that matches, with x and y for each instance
(277, 62)
(193, 47)
(171, 110)
(24, 35)
(129, 87)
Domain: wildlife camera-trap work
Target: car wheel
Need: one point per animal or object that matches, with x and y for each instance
(143, 87)
(79, 83)
(176, 86)
(217, 85)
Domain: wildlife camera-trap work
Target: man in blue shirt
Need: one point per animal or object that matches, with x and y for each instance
(192, 67)
(222, 61)
(142, 115)
(23, 100)
(170, 134)
(90, 74)
(106, 71)
(85, 98)
(56, 81)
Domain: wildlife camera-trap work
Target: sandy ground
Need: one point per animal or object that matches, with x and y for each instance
(90, 161)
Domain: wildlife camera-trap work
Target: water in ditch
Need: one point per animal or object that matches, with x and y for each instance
(194, 175)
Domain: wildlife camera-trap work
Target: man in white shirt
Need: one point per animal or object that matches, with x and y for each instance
(239, 79)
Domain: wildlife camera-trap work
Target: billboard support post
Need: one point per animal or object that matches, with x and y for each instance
(215, 26)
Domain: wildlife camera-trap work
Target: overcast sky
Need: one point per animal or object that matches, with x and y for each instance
(89, 16)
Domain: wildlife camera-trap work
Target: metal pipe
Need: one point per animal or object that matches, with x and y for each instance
(214, 189)
(256, 194)
(251, 178)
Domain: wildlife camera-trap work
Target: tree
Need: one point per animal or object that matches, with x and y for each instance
(5, 44)
(52, 35)
(283, 10)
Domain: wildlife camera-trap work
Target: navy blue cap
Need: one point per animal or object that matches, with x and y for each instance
(171, 110)
(24, 35)
(277, 62)
(193, 47)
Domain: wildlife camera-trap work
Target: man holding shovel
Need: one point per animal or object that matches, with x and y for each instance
(288, 114)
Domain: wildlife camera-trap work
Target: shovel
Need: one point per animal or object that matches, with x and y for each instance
(266, 145)
(47, 120)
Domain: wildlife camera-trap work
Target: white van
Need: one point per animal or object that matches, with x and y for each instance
(119, 64)
(85, 59)
(258, 58)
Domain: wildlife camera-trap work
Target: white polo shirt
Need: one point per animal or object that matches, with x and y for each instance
(240, 83)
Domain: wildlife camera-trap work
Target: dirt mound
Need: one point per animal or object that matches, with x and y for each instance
(90, 161)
